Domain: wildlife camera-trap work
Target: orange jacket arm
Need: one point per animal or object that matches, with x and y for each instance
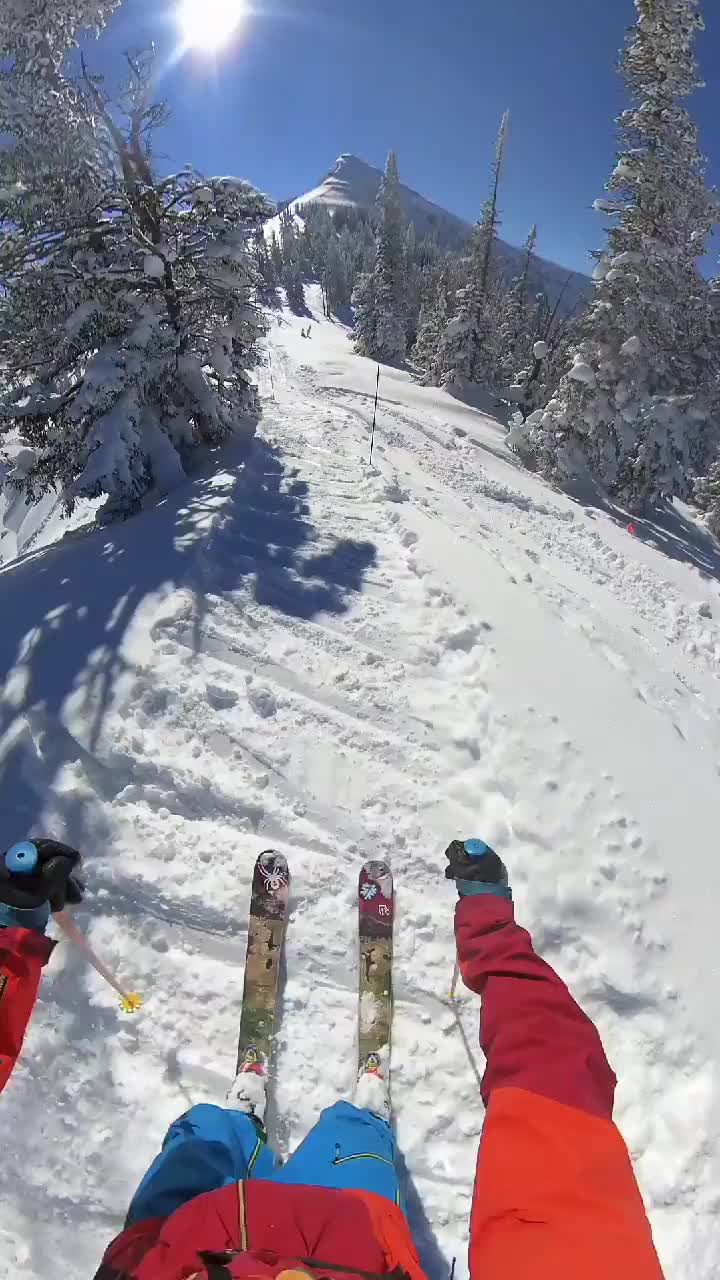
(555, 1193)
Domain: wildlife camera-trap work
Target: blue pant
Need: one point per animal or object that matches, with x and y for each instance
(209, 1147)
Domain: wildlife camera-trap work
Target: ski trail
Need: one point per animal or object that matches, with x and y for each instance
(601, 915)
(356, 663)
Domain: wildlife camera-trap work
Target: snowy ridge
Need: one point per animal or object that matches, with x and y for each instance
(352, 182)
(302, 652)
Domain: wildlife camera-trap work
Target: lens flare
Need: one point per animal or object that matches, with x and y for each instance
(209, 25)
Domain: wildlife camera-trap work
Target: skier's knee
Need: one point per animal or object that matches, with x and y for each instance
(204, 1119)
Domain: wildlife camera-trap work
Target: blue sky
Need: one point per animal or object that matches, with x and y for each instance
(308, 79)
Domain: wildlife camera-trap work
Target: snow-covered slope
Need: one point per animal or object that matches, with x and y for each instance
(352, 182)
(301, 651)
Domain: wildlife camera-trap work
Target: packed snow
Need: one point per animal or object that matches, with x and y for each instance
(298, 650)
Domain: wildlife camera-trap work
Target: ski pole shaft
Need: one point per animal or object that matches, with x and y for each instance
(454, 982)
(130, 1000)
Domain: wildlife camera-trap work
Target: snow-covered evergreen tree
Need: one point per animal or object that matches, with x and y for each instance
(129, 320)
(432, 325)
(336, 282)
(317, 236)
(380, 297)
(413, 285)
(364, 306)
(43, 118)
(633, 409)
(546, 350)
(292, 277)
(464, 354)
(266, 267)
(515, 328)
(276, 256)
(529, 391)
(707, 497)
(295, 289)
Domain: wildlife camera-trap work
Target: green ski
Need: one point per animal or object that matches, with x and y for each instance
(266, 934)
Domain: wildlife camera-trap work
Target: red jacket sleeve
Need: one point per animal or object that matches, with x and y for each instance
(22, 956)
(532, 1032)
(555, 1193)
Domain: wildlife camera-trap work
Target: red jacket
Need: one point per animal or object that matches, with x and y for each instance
(555, 1195)
(22, 956)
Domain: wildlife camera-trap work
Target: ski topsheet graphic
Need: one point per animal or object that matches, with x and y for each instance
(376, 906)
(266, 933)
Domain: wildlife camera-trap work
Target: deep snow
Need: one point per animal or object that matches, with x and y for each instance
(300, 651)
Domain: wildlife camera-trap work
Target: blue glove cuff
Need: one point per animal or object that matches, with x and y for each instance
(13, 918)
(469, 888)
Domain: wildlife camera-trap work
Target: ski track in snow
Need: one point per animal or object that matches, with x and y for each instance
(342, 662)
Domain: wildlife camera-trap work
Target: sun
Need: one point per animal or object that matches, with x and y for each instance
(208, 25)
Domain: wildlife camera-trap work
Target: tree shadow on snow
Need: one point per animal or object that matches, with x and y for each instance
(343, 315)
(242, 526)
(679, 537)
(482, 399)
(666, 528)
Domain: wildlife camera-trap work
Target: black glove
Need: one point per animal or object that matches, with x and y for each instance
(476, 869)
(53, 880)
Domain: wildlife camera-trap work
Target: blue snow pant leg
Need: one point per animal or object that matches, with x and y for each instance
(349, 1149)
(204, 1149)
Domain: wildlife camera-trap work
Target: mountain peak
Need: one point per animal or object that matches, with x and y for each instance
(353, 182)
(349, 163)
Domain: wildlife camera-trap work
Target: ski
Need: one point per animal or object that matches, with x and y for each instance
(267, 922)
(376, 907)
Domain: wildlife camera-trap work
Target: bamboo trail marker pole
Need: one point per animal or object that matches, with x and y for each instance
(372, 437)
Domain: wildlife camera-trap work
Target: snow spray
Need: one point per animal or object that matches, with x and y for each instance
(22, 859)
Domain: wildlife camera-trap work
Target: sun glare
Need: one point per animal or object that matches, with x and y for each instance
(208, 25)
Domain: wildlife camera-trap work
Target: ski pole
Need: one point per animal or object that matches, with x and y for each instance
(130, 1001)
(455, 976)
(22, 859)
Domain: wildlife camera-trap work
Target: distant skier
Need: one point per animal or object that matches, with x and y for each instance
(303, 333)
(555, 1195)
(307, 335)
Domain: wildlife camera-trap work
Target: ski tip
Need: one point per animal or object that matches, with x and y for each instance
(270, 857)
(272, 868)
(375, 870)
